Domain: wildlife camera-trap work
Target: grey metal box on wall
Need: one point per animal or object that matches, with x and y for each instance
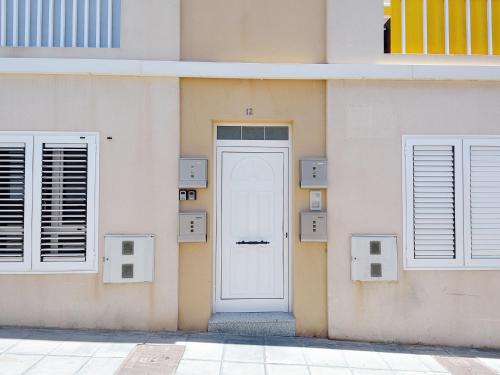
(128, 258)
(192, 227)
(313, 173)
(313, 227)
(374, 258)
(192, 173)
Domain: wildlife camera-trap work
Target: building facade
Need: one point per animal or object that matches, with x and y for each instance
(283, 130)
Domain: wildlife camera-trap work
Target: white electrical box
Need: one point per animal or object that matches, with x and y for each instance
(128, 258)
(374, 258)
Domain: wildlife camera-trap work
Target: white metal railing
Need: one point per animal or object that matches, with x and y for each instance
(60, 23)
(447, 26)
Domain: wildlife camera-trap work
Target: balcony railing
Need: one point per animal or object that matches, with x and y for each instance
(469, 27)
(60, 23)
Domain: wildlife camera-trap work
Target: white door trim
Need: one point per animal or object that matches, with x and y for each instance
(263, 146)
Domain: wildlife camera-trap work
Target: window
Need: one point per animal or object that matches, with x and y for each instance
(253, 133)
(48, 203)
(452, 202)
(60, 23)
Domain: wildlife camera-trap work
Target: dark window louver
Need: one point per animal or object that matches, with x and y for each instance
(64, 203)
(12, 183)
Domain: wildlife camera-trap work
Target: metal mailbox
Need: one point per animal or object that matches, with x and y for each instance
(192, 227)
(313, 173)
(313, 227)
(193, 173)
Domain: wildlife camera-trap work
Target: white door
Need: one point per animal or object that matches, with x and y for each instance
(252, 257)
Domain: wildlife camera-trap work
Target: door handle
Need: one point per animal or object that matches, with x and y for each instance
(252, 243)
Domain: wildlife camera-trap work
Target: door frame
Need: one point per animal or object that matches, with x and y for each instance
(241, 146)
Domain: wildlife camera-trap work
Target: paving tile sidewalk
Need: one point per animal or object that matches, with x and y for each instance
(54, 352)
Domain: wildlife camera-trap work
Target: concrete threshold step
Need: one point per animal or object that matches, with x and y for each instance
(253, 324)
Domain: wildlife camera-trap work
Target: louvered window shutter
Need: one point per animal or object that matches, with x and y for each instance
(434, 203)
(15, 203)
(482, 202)
(64, 203)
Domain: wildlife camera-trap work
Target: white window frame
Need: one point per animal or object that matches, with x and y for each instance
(35, 140)
(15, 140)
(463, 259)
(476, 263)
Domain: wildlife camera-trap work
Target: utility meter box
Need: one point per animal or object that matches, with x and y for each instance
(374, 258)
(192, 173)
(313, 173)
(313, 227)
(192, 227)
(128, 258)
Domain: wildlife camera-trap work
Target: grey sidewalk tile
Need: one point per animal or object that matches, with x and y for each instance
(312, 342)
(422, 349)
(13, 364)
(77, 348)
(167, 338)
(207, 337)
(286, 370)
(284, 355)
(35, 347)
(246, 340)
(131, 337)
(432, 364)
(50, 334)
(364, 359)
(329, 371)
(372, 372)
(91, 336)
(101, 366)
(283, 341)
(242, 369)
(419, 373)
(52, 365)
(192, 367)
(324, 357)
(208, 351)
(404, 362)
(114, 349)
(493, 363)
(355, 345)
(6, 344)
(244, 353)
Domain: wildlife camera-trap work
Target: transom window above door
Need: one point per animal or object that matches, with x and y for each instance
(253, 133)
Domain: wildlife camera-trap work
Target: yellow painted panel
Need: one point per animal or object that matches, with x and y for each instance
(387, 10)
(458, 38)
(479, 27)
(414, 22)
(495, 5)
(396, 26)
(435, 26)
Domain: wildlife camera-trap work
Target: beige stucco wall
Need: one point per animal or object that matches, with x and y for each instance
(150, 30)
(299, 103)
(366, 121)
(138, 194)
(355, 30)
(254, 30)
